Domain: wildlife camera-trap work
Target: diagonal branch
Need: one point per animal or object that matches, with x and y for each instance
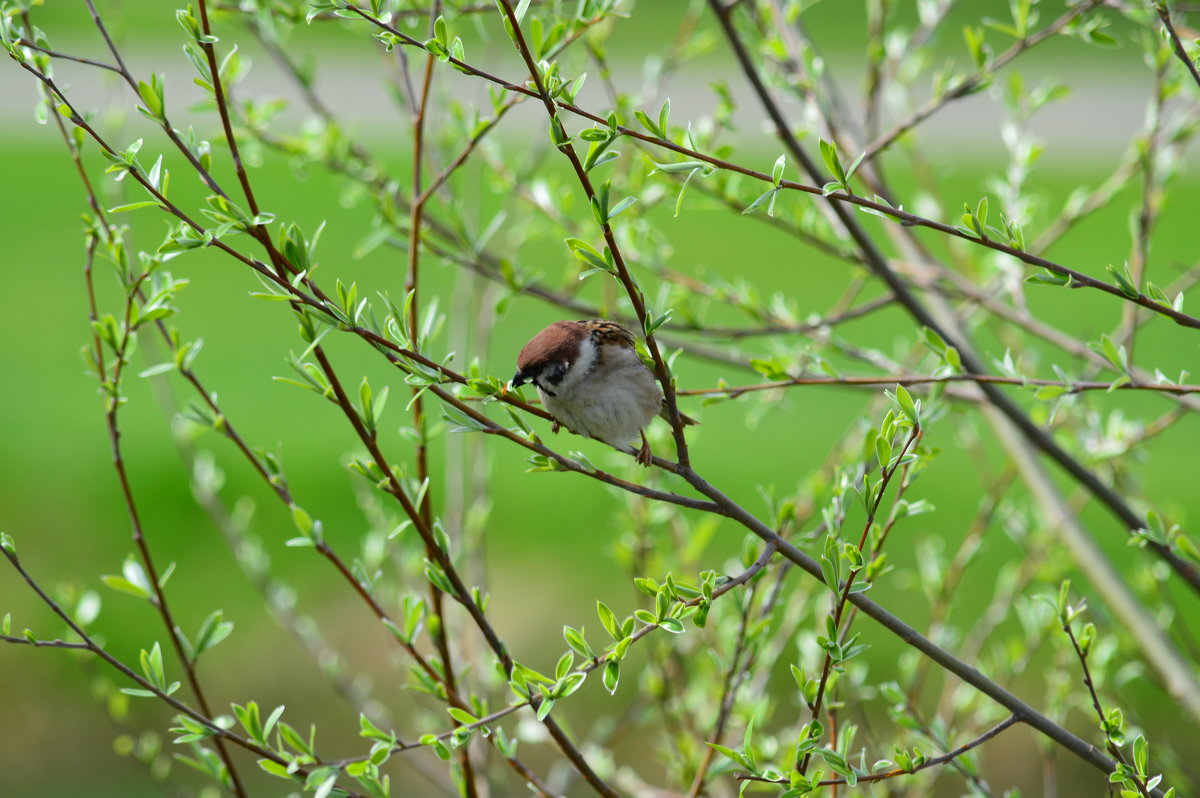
(1164, 13)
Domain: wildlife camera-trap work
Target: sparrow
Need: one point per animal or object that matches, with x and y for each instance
(591, 380)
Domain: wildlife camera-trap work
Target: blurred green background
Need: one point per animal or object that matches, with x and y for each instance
(550, 538)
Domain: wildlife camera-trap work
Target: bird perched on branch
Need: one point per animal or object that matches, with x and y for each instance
(590, 378)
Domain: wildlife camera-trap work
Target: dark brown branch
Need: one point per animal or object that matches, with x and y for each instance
(411, 288)
(45, 643)
(1113, 748)
(735, 391)
(734, 676)
(77, 59)
(889, 471)
(1160, 6)
(950, 756)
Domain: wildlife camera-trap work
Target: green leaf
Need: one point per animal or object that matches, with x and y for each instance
(1124, 281)
(125, 586)
(133, 206)
(612, 676)
(767, 195)
(608, 619)
(829, 154)
(682, 166)
(564, 665)
(648, 124)
(907, 406)
(1048, 392)
(462, 716)
(578, 644)
(672, 625)
(620, 206)
(777, 170)
(212, 631)
(736, 756)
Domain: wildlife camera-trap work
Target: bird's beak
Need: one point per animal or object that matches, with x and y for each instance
(518, 380)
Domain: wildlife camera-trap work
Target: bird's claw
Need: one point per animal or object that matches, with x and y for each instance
(645, 456)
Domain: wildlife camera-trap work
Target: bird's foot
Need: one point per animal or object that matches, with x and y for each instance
(645, 456)
(555, 427)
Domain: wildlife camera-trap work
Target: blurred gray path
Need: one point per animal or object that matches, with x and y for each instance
(1103, 112)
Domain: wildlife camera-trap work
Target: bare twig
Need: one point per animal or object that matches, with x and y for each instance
(1087, 680)
(734, 391)
(1164, 13)
(949, 756)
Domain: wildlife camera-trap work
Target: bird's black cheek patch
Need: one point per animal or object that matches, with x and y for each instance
(554, 374)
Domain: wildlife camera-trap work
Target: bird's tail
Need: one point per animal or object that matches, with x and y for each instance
(687, 420)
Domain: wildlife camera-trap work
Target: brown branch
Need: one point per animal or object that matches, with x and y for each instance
(734, 676)
(164, 122)
(1113, 748)
(77, 59)
(889, 471)
(950, 756)
(45, 643)
(735, 391)
(910, 636)
(1077, 278)
(110, 387)
(1164, 14)
(411, 287)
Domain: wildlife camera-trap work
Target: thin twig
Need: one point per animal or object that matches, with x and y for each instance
(1113, 748)
(950, 756)
(734, 391)
(1164, 14)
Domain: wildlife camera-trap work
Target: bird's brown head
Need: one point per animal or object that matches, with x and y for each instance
(548, 355)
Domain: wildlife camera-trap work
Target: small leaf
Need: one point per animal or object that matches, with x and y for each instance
(620, 206)
(777, 170)
(133, 206)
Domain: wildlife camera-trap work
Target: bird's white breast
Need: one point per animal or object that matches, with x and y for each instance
(606, 393)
